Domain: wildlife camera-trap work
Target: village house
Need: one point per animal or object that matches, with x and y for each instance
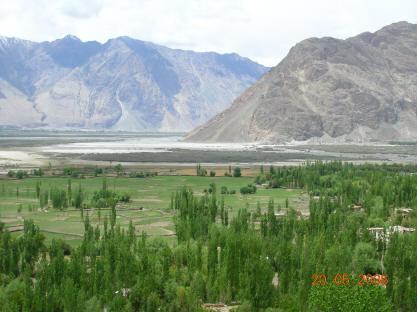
(401, 229)
(378, 232)
(405, 213)
(281, 214)
(357, 208)
(305, 215)
(219, 307)
(381, 233)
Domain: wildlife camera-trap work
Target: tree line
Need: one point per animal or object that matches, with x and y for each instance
(260, 260)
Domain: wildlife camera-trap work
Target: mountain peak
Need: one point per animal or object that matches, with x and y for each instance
(11, 41)
(71, 37)
(398, 28)
(4, 40)
(400, 24)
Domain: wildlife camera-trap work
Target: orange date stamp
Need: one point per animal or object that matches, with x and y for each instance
(344, 279)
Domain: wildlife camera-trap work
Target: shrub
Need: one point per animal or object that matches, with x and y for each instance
(212, 173)
(20, 174)
(275, 183)
(201, 172)
(119, 169)
(250, 189)
(212, 188)
(136, 175)
(71, 172)
(124, 198)
(237, 172)
(38, 172)
(98, 171)
(260, 179)
(142, 174)
(223, 190)
(67, 171)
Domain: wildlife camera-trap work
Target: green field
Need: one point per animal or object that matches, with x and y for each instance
(148, 209)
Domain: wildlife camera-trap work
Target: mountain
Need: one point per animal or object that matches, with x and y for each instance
(123, 84)
(326, 90)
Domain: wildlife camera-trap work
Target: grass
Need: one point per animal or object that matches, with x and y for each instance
(153, 195)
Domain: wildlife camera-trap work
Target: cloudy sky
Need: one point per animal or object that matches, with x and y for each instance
(263, 30)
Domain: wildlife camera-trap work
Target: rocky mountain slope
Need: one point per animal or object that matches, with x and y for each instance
(360, 89)
(124, 84)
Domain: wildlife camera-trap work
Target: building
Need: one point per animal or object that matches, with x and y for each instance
(305, 215)
(401, 229)
(381, 233)
(378, 232)
(357, 208)
(405, 213)
(281, 214)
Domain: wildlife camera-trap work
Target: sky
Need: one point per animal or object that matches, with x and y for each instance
(263, 30)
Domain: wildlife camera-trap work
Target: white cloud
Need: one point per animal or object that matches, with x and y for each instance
(263, 30)
(81, 8)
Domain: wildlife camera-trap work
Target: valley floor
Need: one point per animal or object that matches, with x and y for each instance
(149, 208)
(30, 149)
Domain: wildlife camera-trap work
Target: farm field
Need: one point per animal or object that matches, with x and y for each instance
(148, 209)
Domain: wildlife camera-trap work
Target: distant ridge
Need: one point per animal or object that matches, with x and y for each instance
(361, 89)
(123, 84)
